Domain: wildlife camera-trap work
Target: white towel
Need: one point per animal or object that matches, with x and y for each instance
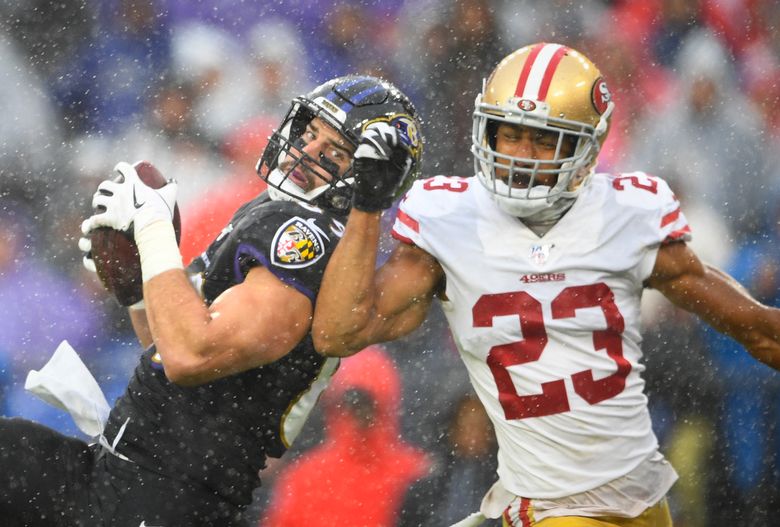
(66, 383)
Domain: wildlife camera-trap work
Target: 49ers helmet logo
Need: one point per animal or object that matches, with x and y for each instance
(601, 95)
(527, 105)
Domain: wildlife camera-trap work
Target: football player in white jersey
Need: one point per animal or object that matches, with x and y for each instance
(539, 263)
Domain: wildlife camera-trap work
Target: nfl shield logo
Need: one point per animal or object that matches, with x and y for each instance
(540, 253)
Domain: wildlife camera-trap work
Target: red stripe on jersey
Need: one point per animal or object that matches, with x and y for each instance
(550, 71)
(676, 235)
(669, 218)
(529, 62)
(525, 504)
(401, 237)
(408, 221)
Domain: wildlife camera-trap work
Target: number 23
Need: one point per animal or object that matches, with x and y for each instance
(553, 399)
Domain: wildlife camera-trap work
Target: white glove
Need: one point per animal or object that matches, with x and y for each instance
(130, 202)
(85, 246)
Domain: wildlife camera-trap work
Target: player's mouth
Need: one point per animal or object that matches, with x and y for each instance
(519, 180)
(300, 179)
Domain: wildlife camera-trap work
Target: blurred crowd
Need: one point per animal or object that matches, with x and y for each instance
(196, 87)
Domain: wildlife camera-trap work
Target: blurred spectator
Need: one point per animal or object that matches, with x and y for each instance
(29, 127)
(351, 41)
(638, 86)
(214, 64)
(739, 23)
(434, 379)
(360, 473)
(760, 68)
(524, 21)
(55, 309)
(279, 60)
(458, 42)
(708, 137)
(676, 20)
(209, 213)
(635, 19)
(167, 137)
(463, 474)
(749, 420)
(49, 32)
(105, 88)
(682, 385)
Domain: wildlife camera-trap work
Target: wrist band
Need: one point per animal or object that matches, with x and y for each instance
(158, 249)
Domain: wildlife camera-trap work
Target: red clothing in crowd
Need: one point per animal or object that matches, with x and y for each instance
(360, 474)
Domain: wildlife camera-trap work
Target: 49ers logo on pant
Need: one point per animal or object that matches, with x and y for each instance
(296, 244)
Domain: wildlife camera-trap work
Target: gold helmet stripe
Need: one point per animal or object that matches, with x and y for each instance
(538, 71)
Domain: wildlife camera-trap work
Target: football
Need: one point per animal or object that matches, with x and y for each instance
(116, 254)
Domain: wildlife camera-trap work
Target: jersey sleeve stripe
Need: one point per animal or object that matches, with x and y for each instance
(678, 234)
(400, 237)
(408, 221)
(671, 217)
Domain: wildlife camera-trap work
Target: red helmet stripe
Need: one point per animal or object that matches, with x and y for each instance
(538, 71)
(550, 71)
(521, 82)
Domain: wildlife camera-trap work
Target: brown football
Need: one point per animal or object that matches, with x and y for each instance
(116, 254)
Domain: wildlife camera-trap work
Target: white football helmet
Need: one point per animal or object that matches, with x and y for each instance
(547, 87)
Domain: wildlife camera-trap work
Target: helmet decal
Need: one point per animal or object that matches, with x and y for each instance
(527, 105)
(601, 95)
(409, 133)
(408, 130)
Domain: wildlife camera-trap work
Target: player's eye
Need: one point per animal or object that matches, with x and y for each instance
(336, 154)
(546, 140)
